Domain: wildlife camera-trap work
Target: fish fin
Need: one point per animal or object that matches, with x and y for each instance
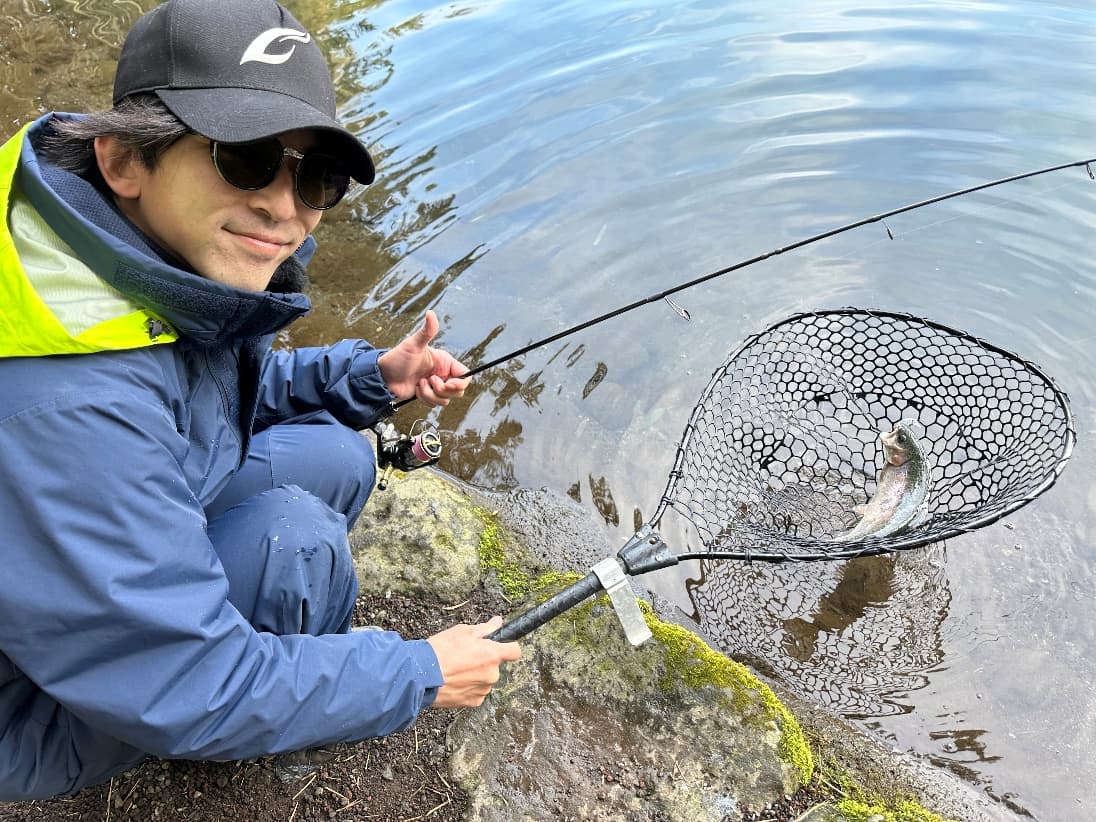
(920, 517)
(853, 532)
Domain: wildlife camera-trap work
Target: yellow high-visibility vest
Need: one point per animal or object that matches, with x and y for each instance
(52, 302)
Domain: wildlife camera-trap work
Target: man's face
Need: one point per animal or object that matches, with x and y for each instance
(226, 234)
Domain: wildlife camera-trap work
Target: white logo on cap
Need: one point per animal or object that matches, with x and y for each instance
(256, 52)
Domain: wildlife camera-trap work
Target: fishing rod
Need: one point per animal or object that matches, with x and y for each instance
(825, 235)
(409, 452)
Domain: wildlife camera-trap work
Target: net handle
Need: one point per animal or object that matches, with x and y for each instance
(642, 553)
(548, 610)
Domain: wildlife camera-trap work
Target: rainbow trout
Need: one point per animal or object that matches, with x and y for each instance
(901, 491)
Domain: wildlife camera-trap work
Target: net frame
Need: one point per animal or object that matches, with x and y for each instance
(784, 439)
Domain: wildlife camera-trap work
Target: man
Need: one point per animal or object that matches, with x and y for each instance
(175, 495)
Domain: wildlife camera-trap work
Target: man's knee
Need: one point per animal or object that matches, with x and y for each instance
(288, 563)
(350, 454)
(332, 461)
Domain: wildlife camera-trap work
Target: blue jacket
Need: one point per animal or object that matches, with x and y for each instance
(128, 391)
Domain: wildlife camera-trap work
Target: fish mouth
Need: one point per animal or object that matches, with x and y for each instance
(894, 453)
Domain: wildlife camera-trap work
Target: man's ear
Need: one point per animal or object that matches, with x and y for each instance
(119, 166)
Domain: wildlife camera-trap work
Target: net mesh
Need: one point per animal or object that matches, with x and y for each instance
(784, 443)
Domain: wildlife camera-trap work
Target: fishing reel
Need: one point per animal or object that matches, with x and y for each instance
(405, 452)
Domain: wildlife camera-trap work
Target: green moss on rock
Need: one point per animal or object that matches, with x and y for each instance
(856, 804)
(905, 811)
(690, 658)
(494, 560)
(552, 581)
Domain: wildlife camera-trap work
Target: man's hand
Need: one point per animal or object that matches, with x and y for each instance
(413, 368)
(469, 662)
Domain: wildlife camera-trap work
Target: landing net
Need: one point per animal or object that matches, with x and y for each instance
(784, 443)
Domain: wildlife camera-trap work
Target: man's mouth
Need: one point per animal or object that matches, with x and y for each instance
(263, 243)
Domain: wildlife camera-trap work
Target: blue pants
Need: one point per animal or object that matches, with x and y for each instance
(280, 526)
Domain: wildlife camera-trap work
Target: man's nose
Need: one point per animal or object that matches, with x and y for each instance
(279, 199)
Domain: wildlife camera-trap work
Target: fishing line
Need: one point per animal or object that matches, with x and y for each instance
(664, 295)
(913, 230)
(787, 419)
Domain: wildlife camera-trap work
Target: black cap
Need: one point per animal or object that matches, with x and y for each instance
(235, 71)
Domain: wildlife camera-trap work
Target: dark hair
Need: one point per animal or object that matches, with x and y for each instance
(142, 124)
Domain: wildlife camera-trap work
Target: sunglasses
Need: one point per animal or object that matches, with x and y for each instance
(320, 179)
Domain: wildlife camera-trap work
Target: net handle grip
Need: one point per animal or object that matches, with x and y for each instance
(552, 607)
(644, 552)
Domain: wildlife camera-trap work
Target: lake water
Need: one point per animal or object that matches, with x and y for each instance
(544, 163)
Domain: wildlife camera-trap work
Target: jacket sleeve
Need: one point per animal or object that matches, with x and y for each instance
(343, 379)
(114, 602)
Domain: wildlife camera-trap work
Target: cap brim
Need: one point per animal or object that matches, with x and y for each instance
(233, 115)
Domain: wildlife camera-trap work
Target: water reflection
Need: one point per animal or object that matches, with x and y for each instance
(860, 636)
(486, 455)
(967, 743)
(861, 584)
(59, 56)
(965, 753)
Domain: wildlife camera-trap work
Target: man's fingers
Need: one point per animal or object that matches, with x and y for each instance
(488, 627)
(429, 329)
(434, 390)
(448, 388)
(427, 393)
(510, 650)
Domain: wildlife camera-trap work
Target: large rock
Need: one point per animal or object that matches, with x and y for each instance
(421, 536)
(586, 727)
